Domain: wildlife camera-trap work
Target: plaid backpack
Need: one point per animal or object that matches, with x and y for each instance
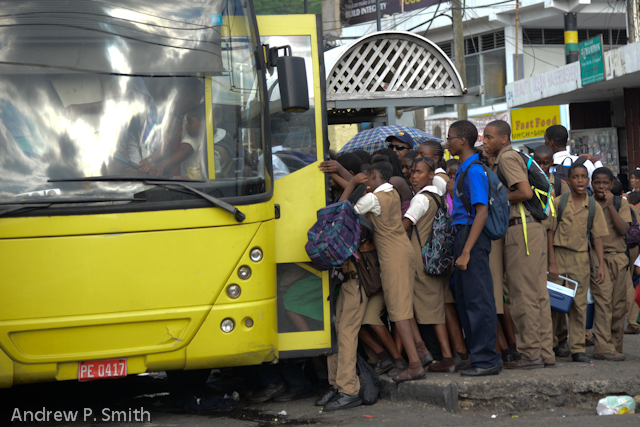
(336, 234)
(437, 252)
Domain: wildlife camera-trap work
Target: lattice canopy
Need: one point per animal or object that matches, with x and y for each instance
(392, 65)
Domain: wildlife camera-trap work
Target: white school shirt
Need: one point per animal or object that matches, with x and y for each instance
(561, 156)
(439, 182)
(370, 203)
(420, 204)
(637, 263)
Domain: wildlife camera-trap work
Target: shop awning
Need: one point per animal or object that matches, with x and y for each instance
(564, 86)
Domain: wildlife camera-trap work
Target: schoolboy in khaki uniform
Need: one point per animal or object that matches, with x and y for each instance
(524, 260)
(569, 255)
(543, 155)
(611, 294)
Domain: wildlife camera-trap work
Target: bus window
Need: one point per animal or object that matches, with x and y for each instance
(300, 307)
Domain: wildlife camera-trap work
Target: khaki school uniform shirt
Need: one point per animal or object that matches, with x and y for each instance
(571, 233)
(614, 242)
(515, 171)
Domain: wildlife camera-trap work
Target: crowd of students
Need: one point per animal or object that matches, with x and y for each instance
(492, 310)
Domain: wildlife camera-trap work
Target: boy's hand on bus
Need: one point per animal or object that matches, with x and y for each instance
(462, 261)
(330, 166)
(600, 278)
(553, 272)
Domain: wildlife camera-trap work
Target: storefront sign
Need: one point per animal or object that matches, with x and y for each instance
(483, 121)
(591, 61)
(359, 11)
(533, 122)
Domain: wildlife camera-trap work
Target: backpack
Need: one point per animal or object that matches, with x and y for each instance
(498, 219)
(369, 381)
(539, 205)
(336, 234)
(437, 252)
(633, 235)
(557, 185)
(561, 172)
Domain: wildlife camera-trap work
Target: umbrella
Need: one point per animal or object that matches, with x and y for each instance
(374, 139)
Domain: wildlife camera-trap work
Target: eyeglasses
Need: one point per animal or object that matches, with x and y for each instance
(453, 137)
(398, 147)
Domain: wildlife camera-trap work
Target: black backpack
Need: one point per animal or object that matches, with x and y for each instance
(369, 381)
(540, 204)
(561, 172)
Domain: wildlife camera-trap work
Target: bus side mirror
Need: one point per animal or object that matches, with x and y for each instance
(292, 80)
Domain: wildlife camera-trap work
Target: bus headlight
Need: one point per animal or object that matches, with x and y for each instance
(233, 291)
(244, 272)
(227, 325)
(256, 254)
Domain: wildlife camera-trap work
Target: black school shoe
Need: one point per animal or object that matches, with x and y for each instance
(268, 393)
(580, 357)
(330, 394)
(562, 350)
(383, 366)
(474, 371)
(343, 401)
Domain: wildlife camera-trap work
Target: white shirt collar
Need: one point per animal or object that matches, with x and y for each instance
(386, 187)
(439, 170)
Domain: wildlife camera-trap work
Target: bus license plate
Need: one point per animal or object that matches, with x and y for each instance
(99, 369)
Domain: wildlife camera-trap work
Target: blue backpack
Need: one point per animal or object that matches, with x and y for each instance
(498, 219)
(336, 234)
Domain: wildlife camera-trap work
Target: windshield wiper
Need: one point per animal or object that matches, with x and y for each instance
(38, 204)
(163, 182)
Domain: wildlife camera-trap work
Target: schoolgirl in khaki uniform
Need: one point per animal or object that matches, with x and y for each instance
(611, 294)
(569, 255)
(395, 252)
(428, 291)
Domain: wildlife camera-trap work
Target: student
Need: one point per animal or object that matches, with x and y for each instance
(472, 276)
(556, 138)
(434, 150)
(543, 155)
(428, 291)
(632, 308)
(407, 164)
(524, 256)
(381, 205)
(569, 255)
(634, 179)
(400, 143)
(611, 294)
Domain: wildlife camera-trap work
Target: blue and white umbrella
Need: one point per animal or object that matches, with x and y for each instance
(374, 139)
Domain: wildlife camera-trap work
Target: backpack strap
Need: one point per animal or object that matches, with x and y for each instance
(592, 214)
(460, 187)
(563, 204)
(557, 185)
(357, 193)
(617, 202)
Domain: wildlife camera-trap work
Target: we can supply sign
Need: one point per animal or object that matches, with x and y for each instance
(591, 61)
(533, 122)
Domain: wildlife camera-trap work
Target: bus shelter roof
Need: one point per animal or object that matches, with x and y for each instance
(391, 69)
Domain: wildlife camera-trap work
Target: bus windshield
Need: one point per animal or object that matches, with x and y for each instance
(129, 88)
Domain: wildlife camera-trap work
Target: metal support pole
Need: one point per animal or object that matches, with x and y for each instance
(306, 6)
(517, 76)
(378, 23)
(458, 45)
(632, 21)
(571, 37)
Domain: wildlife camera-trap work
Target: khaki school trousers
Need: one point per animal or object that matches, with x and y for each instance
(576, 266)
(611, 302)
(350, 308)
(526, 289)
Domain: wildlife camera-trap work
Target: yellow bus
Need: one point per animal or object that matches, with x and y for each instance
(154, 196)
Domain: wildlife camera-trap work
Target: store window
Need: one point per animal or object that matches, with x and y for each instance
(485, 65)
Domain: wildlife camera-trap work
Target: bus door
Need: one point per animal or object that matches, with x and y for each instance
(298, 144)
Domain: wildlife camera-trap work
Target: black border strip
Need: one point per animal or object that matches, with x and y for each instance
(293, 354)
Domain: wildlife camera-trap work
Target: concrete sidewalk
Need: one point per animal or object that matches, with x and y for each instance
(569, 384)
